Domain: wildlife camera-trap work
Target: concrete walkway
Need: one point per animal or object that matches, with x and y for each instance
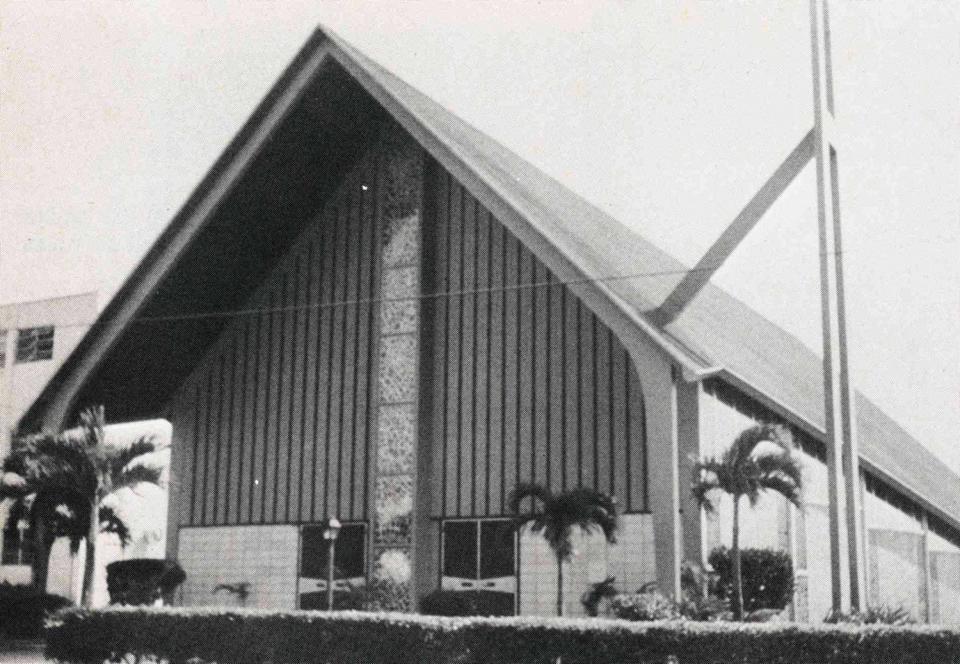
(21, 652)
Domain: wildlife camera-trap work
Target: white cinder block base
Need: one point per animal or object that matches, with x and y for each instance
(263, 556)
(631, 560)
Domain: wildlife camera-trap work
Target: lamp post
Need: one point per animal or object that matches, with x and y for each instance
(330, 534)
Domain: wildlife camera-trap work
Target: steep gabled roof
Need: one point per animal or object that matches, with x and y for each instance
(715, 335)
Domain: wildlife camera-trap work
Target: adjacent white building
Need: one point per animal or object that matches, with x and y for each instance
(35, 338)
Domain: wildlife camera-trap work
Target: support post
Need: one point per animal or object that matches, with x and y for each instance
(690, 398)
(846, 545)
(659, 379)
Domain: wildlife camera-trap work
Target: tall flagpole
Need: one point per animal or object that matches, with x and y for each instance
(843, 470)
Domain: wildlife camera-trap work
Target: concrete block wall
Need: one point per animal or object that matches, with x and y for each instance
(631, 560)
(266, 557)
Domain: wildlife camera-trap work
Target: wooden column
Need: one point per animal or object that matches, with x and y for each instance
(846, 545)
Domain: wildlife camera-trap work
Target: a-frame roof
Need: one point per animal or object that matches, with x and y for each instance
(716, 335)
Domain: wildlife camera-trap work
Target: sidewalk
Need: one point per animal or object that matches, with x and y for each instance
(21, 652)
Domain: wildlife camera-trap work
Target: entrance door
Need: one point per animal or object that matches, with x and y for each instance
(480, 555)
(349, 563)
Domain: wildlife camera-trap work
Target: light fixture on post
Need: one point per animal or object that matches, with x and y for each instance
(330, 534)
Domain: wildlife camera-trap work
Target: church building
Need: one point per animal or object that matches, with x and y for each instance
(368, 310)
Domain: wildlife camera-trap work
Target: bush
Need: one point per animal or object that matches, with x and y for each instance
(596, 594)
(467, 603)
(699, 601)
(375, 595)
(873, 615)
(142, 580)
(650, 605)
(767, 577)
(23, 610)
(249, 636)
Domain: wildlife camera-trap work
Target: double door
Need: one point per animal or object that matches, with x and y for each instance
(349, 563)
(481, 554)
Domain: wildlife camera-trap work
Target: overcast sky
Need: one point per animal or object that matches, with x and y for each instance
(667, 115)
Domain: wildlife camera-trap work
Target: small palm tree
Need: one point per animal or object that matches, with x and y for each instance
(65, 478)
(559, 514)
(746, 470)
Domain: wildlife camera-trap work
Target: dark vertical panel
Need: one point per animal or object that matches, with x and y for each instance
(339, 362)
(601, 405)
(199, 451)
(293, 478)
(223, 434)
(619, 414)
(638, 443)
(271, 405)
(468, 357)
(347, 410)
(248, 420)
(441, 349)
(309, 387)
(481, 369)
(324, 369)
(511, 366)
(558, 357)
(452, 439)
(541, 375)
(235, 450)
(585, 377)
(208, 514)
(526, 367)
(573, 384)
(261, 414)
(281, 486)
(495, 348)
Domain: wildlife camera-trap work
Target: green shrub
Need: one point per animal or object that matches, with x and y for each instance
(650, 605)
(467, 603)
(248, 636)
(598, 592)
(873, 615)
(142, 580)
(375, 595)
(698, 599)
(23, 609)
(767, 577)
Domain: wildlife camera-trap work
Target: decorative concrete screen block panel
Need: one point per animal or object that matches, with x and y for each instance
(403, 243)
(398, 369)
(394, 504)
(398, 360)
(263, 556)
(631, 560)
(398, 316)
(396, 428)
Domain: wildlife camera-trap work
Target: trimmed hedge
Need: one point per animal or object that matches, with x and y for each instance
(23, 610)
(248, 636)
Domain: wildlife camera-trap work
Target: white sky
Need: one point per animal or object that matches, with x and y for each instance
(667, 115)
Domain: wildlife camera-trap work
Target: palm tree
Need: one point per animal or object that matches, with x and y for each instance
(65, 478)
(559, 514)
(747, 470)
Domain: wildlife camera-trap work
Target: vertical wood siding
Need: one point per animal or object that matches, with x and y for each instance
(274, 423)
(528, 385)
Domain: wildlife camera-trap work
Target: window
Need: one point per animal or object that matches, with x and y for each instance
(349, 562)
(35, 343)
(17, 543)
(481, 555)
(3, 348)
